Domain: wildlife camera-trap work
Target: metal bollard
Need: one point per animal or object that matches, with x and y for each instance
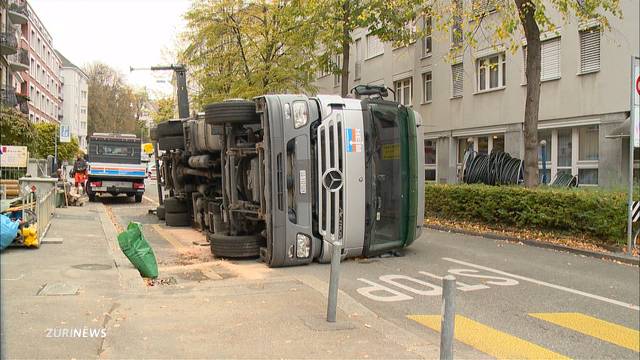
(447, 323)
(334, 278)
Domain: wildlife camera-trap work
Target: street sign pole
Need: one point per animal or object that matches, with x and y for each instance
(55, 152)
(634, 141)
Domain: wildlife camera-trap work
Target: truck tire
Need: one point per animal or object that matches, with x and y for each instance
(160, 212)
(174, 205)
(177, 219)
(169, 128)
(92, 196)
(171, 143)
(228, 246)
(231, 112)
(153, 133)
(138, 198)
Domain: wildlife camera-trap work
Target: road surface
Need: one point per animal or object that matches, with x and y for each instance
(512, 300)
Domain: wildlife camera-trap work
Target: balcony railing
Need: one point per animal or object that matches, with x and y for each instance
(19, 61)
(8, 96)
(8, 43)
(18, 14)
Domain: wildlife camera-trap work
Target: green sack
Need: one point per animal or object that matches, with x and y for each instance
(138, 251)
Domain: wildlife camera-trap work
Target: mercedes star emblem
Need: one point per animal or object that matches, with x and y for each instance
(332, 179)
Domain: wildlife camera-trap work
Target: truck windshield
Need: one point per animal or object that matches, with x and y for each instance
(114, 151)
(387, 167)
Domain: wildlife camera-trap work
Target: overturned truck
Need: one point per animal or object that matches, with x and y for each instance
(283, 176)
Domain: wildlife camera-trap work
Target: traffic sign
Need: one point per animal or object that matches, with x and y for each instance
(65, 134)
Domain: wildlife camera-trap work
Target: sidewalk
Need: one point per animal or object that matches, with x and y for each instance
(214, 312)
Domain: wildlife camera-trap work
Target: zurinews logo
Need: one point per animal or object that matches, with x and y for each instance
(83, 332)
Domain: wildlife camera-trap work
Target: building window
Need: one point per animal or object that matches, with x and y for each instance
(590, 50)
(359, 58)
(375, 47)
(463, 146)
(483, 145)
(404, 92)
(588, 138)
(337, 78)
(426, 40)
(457, 79)
(427, 87)
(550, 59)
(491, 72)
(498, 143)
(430, 160)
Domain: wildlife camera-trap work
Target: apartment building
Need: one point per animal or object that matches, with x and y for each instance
(75, 88)
(477, 98)
(14, 60)
(42, 82)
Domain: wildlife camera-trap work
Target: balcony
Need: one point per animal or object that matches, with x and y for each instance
(8, 96)
(19, 61)
(18, 14)
(23, 103)
(8, 43)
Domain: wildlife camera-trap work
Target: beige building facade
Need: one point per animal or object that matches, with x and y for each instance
(477, 99)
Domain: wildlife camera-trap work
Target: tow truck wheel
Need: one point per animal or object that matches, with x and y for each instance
(171, 143)
(175, 205)
(231, 112)
(160, 212)
(153, 133)
(169, 128)
(177, 219)
(228, 246)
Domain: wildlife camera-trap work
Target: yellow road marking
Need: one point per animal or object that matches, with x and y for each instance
(150, 200)
(600, 329)
(170, 238)
(489, 340)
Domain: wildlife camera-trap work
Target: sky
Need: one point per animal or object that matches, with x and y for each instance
(119, 33)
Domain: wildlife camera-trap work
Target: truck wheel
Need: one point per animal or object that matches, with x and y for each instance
(169, 128)
(228, 246)
(138, 198)
(92, 196)
(160, 212)
(177, 219)
(171, 143)
(153, 133)
(174, 205)
(231, 112)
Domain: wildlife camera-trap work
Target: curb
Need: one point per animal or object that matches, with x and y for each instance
(129, 277)
(626, 259)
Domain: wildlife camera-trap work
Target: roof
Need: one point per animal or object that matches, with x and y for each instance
(67, 63)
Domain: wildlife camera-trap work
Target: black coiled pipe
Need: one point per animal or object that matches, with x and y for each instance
(497, 168)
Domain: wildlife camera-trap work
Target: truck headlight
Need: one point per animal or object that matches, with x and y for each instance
(300, 114)
(303, 246)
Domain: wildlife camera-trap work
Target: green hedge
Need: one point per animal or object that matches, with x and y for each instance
(594, 213)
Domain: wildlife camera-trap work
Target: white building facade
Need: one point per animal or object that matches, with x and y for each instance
(75, 88)
(477, 99)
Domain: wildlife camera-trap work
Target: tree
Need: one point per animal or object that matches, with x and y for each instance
(15, 128)
(43, 143)
(335, 21)
(111, 104)
(502, 23)
(164, 109)
(240, 49)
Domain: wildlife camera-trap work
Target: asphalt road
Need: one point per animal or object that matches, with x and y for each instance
(512, 300)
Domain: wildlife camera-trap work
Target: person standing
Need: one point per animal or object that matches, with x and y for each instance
(80, 172)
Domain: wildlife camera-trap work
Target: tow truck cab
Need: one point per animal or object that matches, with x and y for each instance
(338, 169)
(114, 166)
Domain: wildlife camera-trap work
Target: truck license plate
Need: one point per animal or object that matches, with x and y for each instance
(120, 184)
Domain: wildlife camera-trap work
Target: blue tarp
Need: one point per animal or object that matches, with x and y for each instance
(8, 231)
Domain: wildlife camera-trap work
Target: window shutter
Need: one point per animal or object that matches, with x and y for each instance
(590, 50)
(457, 74)
(550, 54)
